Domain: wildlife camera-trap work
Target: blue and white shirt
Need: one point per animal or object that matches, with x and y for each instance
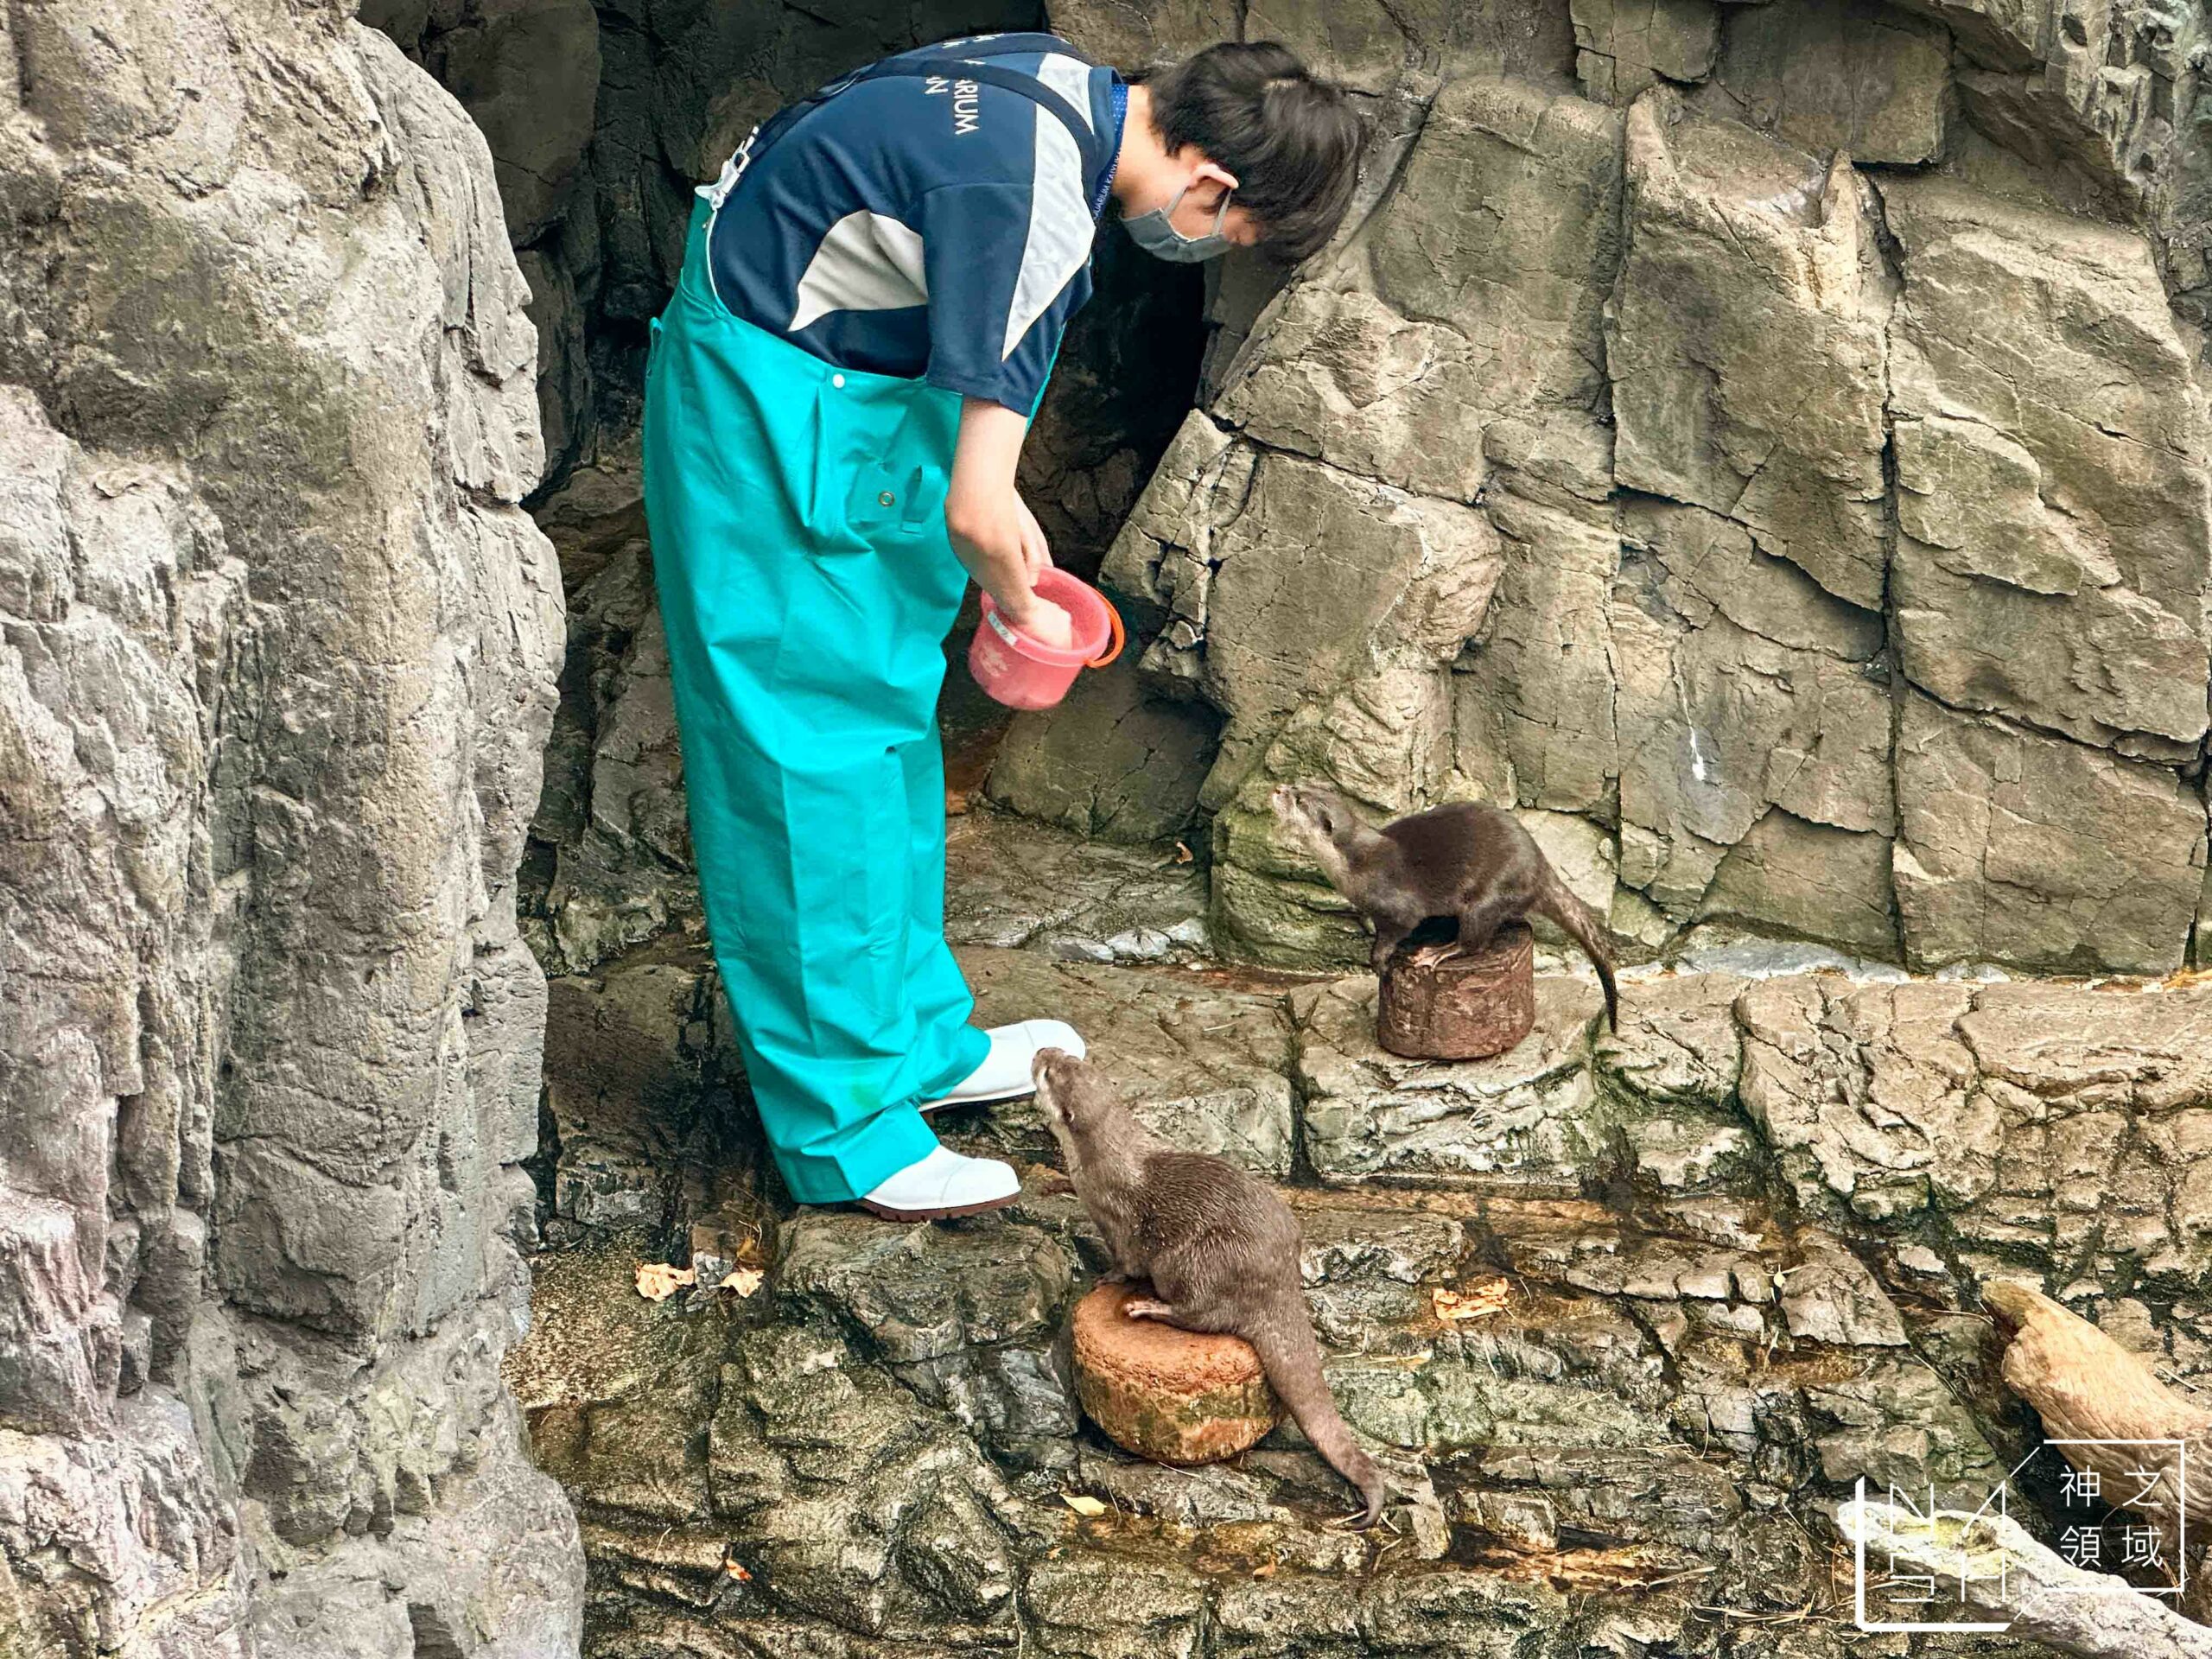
(931, 228)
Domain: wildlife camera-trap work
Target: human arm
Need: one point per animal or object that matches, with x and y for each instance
(1007, 265)
(993, 533)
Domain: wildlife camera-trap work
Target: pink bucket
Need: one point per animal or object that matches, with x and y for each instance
(1020, 672)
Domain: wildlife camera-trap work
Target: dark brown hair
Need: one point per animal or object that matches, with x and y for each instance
(1291, 141)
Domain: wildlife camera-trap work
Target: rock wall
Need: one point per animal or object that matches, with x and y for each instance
(1651, 451)
(1766, 444)
(277, 648)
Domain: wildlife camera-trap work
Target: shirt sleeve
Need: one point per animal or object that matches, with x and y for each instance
(1007, 264)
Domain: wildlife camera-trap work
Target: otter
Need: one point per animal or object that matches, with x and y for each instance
(1469, 861)
(1218, 1247)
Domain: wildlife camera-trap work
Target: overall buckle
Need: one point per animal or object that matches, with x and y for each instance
(733, 171)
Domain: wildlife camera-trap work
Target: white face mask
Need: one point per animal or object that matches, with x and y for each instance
(1156, 234)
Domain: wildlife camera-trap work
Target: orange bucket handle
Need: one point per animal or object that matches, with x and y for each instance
(1114, 621)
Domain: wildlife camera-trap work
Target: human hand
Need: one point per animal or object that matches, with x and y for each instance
(1036, 550)
(1045, 623)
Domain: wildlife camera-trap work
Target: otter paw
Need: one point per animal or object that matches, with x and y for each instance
(1146, 1307)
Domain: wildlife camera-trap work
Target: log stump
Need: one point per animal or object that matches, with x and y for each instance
(1467, 1009)
(1171, 1395)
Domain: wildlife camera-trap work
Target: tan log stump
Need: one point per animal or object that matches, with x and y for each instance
(1466, 1008)
(1171, 1395)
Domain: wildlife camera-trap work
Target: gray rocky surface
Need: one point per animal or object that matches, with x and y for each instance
(277, 657)
(1134, 776)
(1013, 885)
(1205, 1061)
(1764, 444)
(1823, 386)
(1627, 1314)
(1531, 1115)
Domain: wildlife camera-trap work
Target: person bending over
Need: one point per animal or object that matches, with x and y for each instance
(873, 295)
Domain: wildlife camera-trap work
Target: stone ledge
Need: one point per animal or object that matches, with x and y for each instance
(1527, 1119)
(1613, 1310)
(1201, 1061)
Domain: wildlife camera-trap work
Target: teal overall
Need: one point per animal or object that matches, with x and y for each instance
(797, 512)
(807, 584)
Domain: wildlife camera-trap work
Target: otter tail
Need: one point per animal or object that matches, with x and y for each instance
(1558, 903)
(1292, 1360)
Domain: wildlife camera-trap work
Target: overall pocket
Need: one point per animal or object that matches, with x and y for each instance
(893, 496)
(882, 458)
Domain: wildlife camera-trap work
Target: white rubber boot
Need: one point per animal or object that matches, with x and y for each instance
(943, 1186)
(1004, 1074)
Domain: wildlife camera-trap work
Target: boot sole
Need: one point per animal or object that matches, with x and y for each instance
(952, 1214)
(950, 1101)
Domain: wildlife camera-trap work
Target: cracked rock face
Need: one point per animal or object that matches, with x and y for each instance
(1764, 444)
(2059, 1130)
(1745, 342)
(276, 658)
(1623, 1315)
(1801, 421)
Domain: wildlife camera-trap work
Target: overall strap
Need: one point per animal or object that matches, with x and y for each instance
(1007, 46)
(968, 66)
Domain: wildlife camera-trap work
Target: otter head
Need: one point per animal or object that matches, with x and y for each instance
(1320, 816)
(1072, 1094)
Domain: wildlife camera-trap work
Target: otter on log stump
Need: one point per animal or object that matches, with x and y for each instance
(1217, 1247)
(1468, 863)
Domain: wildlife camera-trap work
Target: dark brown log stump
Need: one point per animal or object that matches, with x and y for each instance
(1466, 1008)
(1171, 1395)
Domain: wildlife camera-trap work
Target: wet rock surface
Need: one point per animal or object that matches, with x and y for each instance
(1800, 412)
(1764, 444)
(1205, 1061)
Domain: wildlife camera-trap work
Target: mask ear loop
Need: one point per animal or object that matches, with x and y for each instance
(1220, 217)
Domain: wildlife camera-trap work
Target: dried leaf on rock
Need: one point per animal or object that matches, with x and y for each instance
(658, 1281)
(1477, 1302)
